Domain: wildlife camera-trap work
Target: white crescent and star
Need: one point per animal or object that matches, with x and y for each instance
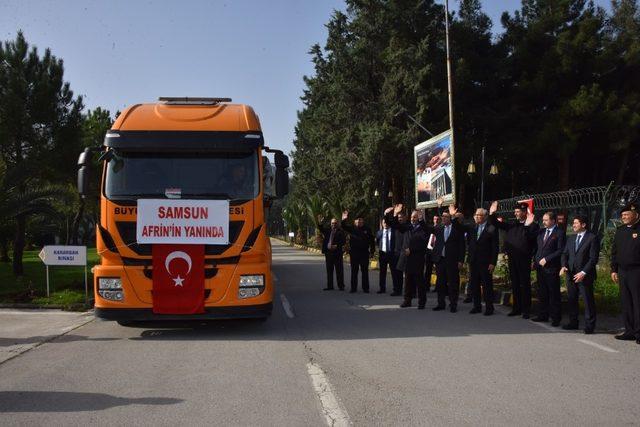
(177, 255)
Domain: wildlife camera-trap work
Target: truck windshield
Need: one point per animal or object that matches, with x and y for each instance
(184, 175)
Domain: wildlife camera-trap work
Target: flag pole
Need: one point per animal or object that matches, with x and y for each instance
(449, 89)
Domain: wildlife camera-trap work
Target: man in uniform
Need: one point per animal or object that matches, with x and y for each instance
(333, 240)
(625, 270)
(519, 244)
(361, 249)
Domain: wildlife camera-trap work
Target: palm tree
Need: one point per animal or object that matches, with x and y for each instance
(294, 214)
(315, 207)
(20, 199)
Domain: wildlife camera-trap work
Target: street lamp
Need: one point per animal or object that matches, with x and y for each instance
(471, 170)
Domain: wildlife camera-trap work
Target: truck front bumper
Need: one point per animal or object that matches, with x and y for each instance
(211, 313)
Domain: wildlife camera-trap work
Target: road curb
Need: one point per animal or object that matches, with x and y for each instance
(80, 308)
(49, 339)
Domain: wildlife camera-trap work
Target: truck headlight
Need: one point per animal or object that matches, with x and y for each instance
(252, 281)
(110, 288)
(109, 283)
(250, 286)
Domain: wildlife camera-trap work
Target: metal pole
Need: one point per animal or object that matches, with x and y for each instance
(47, 281)
(86, 288)
(449, 83)
(482, 181)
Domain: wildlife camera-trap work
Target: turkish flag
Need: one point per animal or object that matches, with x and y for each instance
(178, 279)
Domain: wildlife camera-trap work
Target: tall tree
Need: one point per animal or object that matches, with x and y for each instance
(554, 59)
(39, 118)
(95, 125)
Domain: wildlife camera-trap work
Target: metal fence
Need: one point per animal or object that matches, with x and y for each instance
(598, 203)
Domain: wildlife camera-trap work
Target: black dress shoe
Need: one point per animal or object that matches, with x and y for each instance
(488, 312)
(453, 308)
(625, 337)
(327, 289)
(514, 313)
(555, 323)
(467, 300)
(589, 331)
(381, 291)
(570, 327)
(525, 315)
(439, 308)
(405, 304)
(540, 319)
(395, 294)
(475, 310)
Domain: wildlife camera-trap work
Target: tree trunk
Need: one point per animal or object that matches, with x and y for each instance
(18, 245)
(4, 250)
(76, 223)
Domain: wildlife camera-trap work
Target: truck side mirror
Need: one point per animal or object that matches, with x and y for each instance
(282, 175)
(282, 182)
(84, 165)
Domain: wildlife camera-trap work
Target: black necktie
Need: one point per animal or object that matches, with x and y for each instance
(578, 240)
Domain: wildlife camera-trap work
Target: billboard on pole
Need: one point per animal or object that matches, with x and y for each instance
(434, 171)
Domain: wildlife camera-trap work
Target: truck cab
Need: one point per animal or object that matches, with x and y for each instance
(185, 149)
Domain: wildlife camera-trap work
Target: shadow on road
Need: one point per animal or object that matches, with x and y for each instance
(62, 401)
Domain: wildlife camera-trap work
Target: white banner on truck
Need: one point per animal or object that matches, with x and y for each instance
(183, 221)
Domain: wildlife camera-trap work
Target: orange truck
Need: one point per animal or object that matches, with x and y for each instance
(187, 158)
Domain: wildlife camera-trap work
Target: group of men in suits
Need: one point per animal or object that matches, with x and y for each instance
(409, 249)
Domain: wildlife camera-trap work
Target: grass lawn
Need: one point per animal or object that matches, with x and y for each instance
(66, 283)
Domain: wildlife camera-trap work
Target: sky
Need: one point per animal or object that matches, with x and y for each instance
(120, 53)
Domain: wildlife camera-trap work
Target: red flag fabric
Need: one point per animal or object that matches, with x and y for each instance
(178, 279)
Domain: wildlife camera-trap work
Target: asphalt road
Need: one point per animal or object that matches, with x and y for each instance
(325, 358)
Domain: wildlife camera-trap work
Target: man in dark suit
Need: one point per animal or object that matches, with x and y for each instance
(448, 256)
(550, 245)
(483, 244)
(361, 249)
(412, 258)
(386, 240)
(625, 270)
(333, 240)
(520, 246)
(579, 259)
(397, 271)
